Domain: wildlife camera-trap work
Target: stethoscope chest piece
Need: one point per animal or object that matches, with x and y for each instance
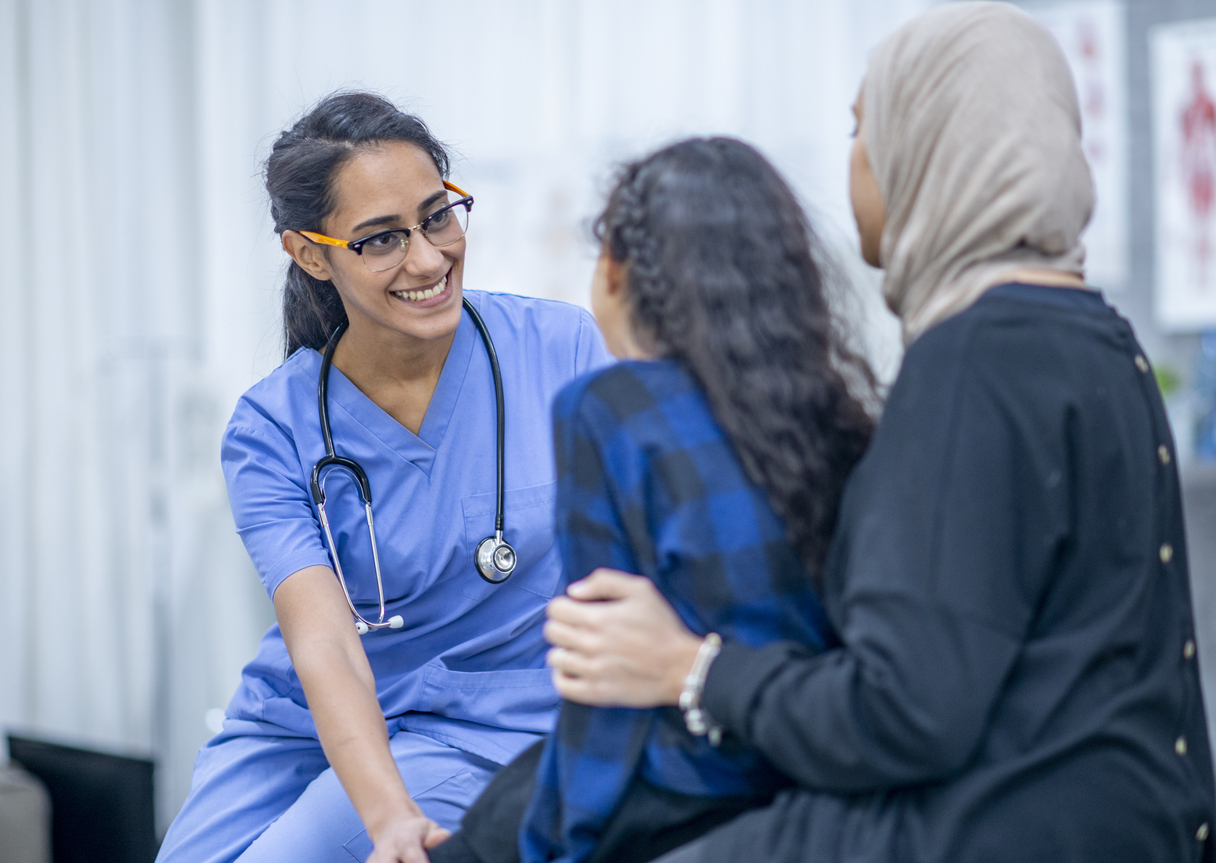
(495, 559)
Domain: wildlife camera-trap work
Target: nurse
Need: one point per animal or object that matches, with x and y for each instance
(337, 742)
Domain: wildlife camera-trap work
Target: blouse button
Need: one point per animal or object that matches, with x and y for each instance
(1142, 363)
(1180, 746)
(1202, 833)
(1167, 553)
(1188, 649)
(1163, 453)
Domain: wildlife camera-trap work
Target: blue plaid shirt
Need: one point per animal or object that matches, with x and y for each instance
(649, 483)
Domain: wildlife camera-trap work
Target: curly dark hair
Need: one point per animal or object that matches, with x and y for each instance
(722, 274)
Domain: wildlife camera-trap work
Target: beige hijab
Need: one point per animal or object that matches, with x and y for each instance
(972, 127)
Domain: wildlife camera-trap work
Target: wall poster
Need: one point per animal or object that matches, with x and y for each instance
(1093, 36)
(1183, 70)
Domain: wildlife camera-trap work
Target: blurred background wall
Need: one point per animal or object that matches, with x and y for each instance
(140, 277)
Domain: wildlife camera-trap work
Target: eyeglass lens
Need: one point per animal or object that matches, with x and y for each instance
(387, 250)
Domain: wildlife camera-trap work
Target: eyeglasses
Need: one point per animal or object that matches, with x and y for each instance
(386, 249)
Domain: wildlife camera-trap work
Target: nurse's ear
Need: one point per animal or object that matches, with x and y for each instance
(308, 255)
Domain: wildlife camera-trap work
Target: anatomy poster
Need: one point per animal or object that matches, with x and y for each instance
(1092, 34)
(1183, 58)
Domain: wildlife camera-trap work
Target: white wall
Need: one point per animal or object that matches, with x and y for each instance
(139, 276)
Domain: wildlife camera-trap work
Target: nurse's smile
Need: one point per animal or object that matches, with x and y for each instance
(426, 297)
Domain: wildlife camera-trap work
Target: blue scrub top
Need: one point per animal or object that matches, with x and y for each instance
(467, 668)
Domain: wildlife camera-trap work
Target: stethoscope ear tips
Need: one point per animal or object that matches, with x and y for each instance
(495, 559)
(360, 627)
(395, 622)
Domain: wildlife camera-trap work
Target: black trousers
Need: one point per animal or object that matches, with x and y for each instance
(650, 821)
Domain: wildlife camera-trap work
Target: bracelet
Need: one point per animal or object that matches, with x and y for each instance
(696, 720)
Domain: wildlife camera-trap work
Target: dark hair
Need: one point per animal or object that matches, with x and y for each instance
(722, 275)
(299, 179)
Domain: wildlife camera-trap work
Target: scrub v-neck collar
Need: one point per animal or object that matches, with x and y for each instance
(418, 449)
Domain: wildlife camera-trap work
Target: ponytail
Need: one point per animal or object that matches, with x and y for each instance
(299, 180)
(312, 310)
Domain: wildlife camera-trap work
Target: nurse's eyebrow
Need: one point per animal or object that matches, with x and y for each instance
(425, 205)
(371, 223)
(384, 220)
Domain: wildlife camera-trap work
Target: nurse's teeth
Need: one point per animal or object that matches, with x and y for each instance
(415, 296)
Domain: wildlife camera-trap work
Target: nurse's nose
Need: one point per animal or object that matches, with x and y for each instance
(422, 258)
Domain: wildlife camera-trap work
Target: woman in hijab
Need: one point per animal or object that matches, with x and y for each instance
(1017, 679)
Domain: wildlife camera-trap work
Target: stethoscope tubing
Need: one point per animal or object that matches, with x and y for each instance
(361, 622)
(501, 443)
(332, 460)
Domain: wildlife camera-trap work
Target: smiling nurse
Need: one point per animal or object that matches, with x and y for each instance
(337, 741)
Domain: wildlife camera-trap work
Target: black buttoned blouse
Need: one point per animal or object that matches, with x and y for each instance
(1018, 679)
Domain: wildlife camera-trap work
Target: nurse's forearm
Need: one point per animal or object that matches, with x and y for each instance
(329, 660)
(350, 725)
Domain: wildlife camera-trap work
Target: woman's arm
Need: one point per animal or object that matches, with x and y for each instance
(329, 659)
(947, 537)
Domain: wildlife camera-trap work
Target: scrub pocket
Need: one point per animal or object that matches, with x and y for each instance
(528, 514)
(520, 699)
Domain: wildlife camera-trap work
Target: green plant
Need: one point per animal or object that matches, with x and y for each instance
(1168, 379)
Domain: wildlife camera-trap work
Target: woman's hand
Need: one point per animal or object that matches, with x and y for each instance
(407, 839)
(617, 643)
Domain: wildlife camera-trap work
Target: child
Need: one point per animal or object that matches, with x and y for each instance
(710, 460)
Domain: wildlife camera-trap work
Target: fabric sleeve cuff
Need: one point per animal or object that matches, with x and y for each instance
(735, 680)
(292, 565)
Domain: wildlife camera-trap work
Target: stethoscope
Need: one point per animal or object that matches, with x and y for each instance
(494, 558)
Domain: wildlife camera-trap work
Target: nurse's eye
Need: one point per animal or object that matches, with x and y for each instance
(388, 243)
(446, 226)
(439, 221)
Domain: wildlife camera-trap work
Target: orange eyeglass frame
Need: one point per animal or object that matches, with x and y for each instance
(465, 198)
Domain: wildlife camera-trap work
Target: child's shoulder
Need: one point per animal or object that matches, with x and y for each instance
(655, 406)
(626, 390)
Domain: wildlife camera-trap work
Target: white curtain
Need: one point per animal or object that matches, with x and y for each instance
(139, 276)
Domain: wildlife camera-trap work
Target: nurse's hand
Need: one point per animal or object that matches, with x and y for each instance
(617, 643)
(404, 840)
